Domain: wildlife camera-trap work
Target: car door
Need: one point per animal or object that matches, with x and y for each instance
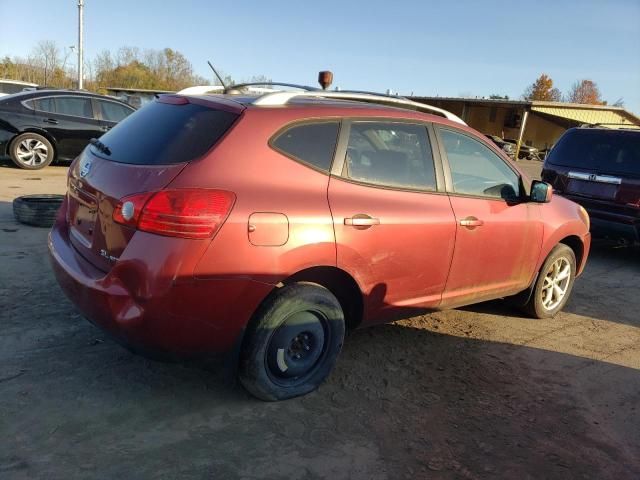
(393, 222)
(499, 233)
(70, 120)
(110, 113)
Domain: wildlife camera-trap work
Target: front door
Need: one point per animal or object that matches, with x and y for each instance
(499, 235)
(394, 229)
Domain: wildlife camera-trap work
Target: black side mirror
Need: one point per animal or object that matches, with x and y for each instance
(541, 192)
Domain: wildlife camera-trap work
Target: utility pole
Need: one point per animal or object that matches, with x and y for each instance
(80, 43)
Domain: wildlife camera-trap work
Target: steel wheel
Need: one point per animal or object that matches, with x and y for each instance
(32, 152)
(556, 283)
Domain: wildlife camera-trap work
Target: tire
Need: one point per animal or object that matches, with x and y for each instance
(31, 151)
(37, 210)
(293, 342)
(539, 304)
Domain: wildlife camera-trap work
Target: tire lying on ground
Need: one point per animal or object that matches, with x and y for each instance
(37, 210)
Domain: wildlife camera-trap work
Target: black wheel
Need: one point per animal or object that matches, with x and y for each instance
(37, 210)
(293, 343)
(554, 283)
(31, 151)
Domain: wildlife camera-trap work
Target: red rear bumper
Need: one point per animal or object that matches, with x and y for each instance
(186, 317)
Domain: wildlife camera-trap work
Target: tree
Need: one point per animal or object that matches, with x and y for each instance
(542, 89)
(585, 91)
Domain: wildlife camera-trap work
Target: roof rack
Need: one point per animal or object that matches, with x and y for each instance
(282, 98)
(241, 86)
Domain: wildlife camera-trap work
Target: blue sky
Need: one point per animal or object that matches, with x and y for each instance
(446, 48)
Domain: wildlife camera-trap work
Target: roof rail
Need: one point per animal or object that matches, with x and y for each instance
(282, 98)
(241, 86)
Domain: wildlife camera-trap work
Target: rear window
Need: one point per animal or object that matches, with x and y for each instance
(311, 143)
(602, 151)
(162, 134)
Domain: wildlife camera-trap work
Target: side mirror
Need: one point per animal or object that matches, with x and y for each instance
(541, 192)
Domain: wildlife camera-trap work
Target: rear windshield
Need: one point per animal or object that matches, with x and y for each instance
(602, 151)
(162, 133)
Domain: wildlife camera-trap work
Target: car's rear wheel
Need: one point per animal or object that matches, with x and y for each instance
(31, 151)
(554, 283)
(293, 343)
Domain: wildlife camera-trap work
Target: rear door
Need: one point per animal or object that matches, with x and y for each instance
(499, 236)
(143, 153)
(70, 119)
(110, 113)
(393, 222)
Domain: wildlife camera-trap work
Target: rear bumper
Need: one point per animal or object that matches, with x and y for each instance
(185, 319)
(611, 224)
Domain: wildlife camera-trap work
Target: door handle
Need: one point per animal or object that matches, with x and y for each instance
(361, 220)
(52, 121)
(471, 222)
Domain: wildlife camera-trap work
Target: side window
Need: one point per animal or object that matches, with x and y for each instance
(113, 112)
(311, 143)
(75, 106)
(47, 104)
(390, 154)
(476, 170)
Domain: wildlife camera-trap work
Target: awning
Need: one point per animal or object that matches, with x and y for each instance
(610, 118)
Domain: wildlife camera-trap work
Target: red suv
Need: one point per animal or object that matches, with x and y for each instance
(263, 227)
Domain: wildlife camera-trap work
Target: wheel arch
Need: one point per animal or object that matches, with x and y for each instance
(574, 243)
(340, 284)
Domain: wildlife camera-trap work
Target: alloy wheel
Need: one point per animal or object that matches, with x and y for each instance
(32, 152)
(556, 283)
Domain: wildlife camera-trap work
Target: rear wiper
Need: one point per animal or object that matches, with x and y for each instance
(100, 146)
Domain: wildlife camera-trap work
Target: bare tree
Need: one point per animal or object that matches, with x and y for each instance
(585, 91)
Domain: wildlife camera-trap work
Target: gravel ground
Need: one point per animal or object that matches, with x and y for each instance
(479, 392)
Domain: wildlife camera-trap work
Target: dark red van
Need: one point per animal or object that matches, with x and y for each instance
(599, 168)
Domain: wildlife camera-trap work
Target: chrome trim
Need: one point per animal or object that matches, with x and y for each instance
(592, 177)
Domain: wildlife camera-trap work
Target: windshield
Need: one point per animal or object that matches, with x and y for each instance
(602, 151)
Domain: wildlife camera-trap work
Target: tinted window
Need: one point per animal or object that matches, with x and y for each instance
(603, 151)
(312, 143)
(391, 154)
(113, 112)
(47, 104)
(75, 106)
(476, 170)
(161, 133)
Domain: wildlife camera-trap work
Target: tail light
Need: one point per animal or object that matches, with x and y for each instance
(187, 213)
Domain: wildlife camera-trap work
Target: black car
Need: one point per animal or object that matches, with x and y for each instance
(599, 168)
(38, 127)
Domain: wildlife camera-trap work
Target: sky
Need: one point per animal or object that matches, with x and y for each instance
(421, 47)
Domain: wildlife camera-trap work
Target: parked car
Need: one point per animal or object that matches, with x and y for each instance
(599, 168)
(263, 227)
(38, 127)
(508, 147)
(9, 87)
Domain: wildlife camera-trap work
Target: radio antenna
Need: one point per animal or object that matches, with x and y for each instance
(217, 75)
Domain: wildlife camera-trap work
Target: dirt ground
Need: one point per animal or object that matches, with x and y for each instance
(472, 393)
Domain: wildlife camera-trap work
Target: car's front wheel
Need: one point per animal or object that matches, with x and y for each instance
(554, 283)
(31, 151)
(293, 343)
